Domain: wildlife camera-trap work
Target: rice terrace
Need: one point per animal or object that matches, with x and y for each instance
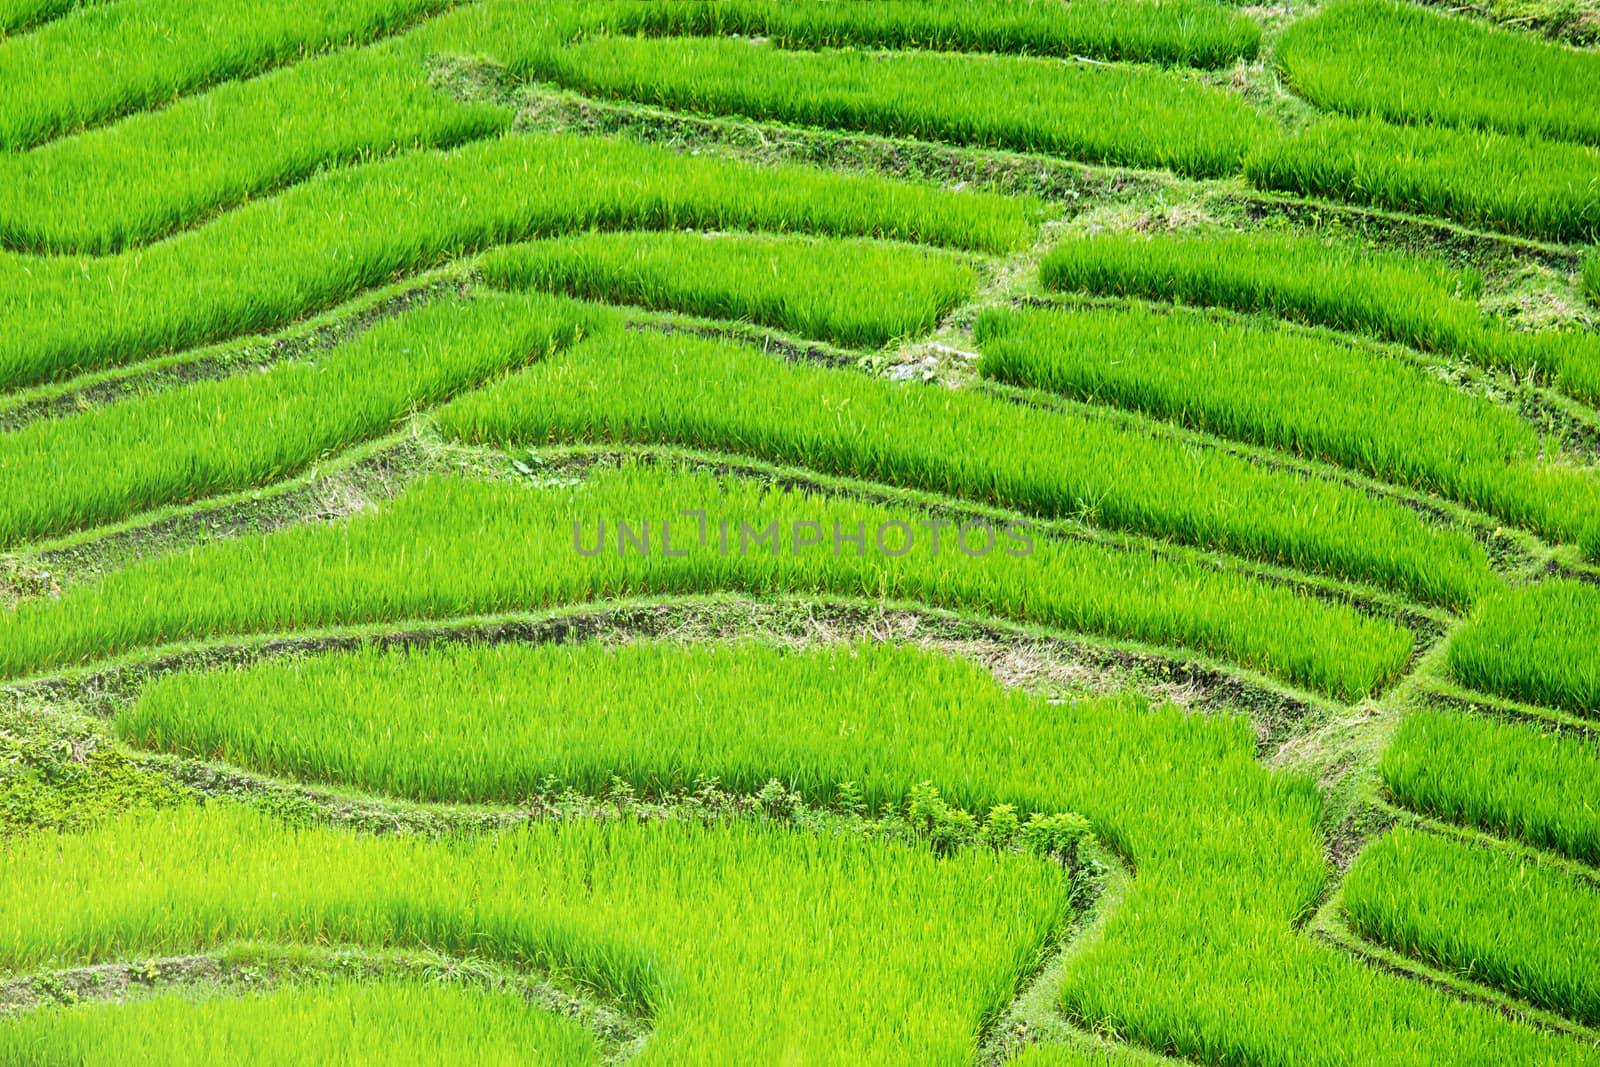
(890, 532)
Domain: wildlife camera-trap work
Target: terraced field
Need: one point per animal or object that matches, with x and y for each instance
(734, 532)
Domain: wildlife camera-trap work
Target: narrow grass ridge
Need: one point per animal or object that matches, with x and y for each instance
(1228, 855)
(756, 933)
(314, 1023)
(454, 547)
(198, 440)
(1101, 114)
(103, 61)
(1518, 185)
(1056, 464)
(1457, 70)
(275, 260)
(1191, 32)
(1536, 785)
(850, 292)
(1397, 298)
(1535, 643)
(143, 177)
(1317, 398)
(1527, 928)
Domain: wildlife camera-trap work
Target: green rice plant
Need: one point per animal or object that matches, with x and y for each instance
(1535, 643)
(1208, 961)
(1590, 279)
(19, 15)
(1317, 398)
(1096, 113)
(108, 60)
(1414, 301)
(1536, 785)
(849, 292)
(742, 942)
(449, 547)
(1397, 298)
(1536, 188)
(1058, 464)
(1192, 32)
(145, 176)
(274, 260)
(498, 724)
(1456, 70)
(209, 437)
(1494, 916)
(315, 1023)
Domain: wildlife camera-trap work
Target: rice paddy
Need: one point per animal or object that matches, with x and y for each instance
(689, 391)
(1460, 72)
(1150, 31)
(609, 532)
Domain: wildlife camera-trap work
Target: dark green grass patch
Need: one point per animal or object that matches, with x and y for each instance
(274, 260)
(1192, 32)
(1590, 277)
(109, 60)
(1095, 113)
(1515, 779)
(728, 397)
(304, 1025)
(1525, 927)
(850, 292)
(17, 16)
(1318, 398)
(213, 436)
(1539, 643)
(456, 547)
(1408, 63)
(143, 177)
(1535, 188)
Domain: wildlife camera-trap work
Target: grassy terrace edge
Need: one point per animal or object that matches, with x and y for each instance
(1158, 599)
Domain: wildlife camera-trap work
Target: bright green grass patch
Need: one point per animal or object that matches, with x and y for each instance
(1536, 188)
(274, 260)
(484, 724)
(1397, 298)
(109, 60)
(1539, 643)
(1227, 854)
(1058, 464)
(1456, 70)
(849, 292)
(498, 724)
(138, 179)
(1492, 915)
(1508, 778)
(343, 1022)
(743, 943)
(456, 547)
(1095, 113)
(1318, 398)
(1191, 32)
(209, 437)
